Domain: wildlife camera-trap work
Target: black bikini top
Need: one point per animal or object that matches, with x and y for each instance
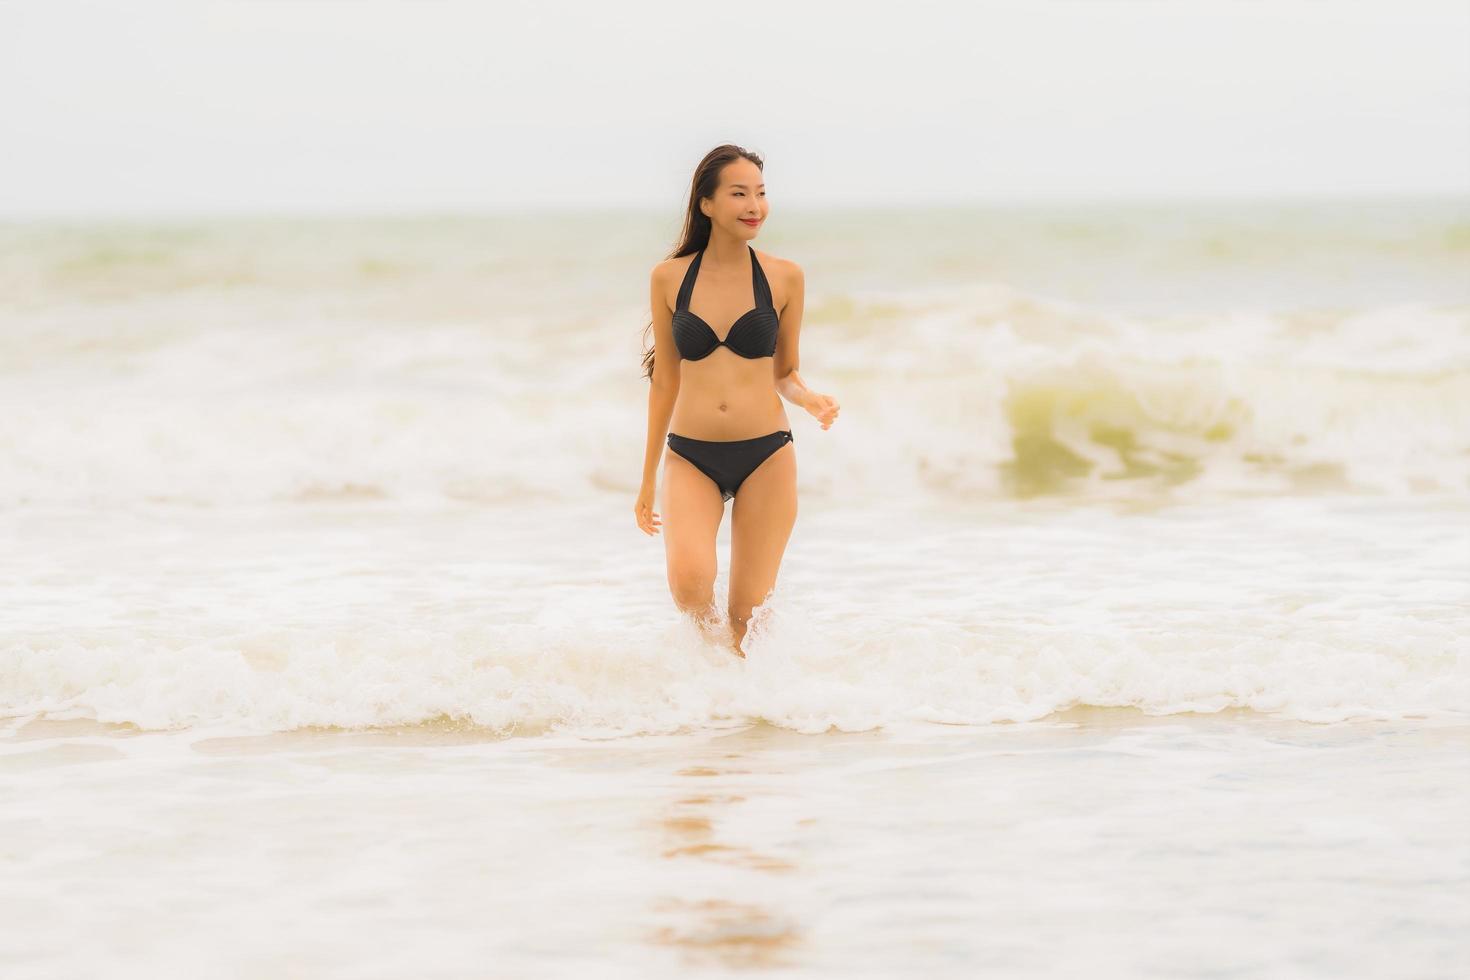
(752, 335)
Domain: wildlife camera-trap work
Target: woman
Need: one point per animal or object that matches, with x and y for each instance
(725, 327)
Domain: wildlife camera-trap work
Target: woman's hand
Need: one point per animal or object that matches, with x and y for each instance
(823, 407)
(643, 512)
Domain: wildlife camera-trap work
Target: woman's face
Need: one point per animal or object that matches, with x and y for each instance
(739, 203)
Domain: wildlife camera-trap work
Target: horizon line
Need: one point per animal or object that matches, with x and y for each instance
(484, 209)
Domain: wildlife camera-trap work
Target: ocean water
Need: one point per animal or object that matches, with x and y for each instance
(1125, 627)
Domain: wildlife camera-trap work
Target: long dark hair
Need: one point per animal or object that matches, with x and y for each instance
(696, 225)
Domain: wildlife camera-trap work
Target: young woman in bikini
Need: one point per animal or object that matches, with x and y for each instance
(719, 367)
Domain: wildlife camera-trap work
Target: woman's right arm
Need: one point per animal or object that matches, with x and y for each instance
(664, 389)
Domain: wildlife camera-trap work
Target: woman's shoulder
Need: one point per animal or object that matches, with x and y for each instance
(776, 267)
(666, 268)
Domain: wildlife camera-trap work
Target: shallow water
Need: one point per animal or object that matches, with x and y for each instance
(556, 617)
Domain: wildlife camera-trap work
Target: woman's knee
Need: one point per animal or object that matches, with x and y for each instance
(691, 590)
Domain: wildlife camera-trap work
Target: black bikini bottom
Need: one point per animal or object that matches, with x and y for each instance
(728, 462)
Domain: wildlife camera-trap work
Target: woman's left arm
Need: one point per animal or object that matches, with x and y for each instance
(788, 353)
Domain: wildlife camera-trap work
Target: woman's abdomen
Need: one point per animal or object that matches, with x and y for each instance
(719, 403)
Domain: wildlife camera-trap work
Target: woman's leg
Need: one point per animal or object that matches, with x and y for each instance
(761, 523)
(691, 508)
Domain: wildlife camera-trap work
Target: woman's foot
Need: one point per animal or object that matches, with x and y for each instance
(717, 631)
(737, 637)
(711, 627)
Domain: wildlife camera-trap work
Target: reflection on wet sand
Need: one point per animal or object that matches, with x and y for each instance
(733, 933)
(692, 835)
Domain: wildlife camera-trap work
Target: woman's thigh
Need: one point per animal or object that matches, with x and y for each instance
(760, 525)
(690, 512)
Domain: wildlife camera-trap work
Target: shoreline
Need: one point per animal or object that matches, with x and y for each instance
(1082, 719)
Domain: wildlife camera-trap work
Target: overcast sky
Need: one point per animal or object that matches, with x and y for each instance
(337, 105)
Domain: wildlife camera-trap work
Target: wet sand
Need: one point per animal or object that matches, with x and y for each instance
(1094, 840)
